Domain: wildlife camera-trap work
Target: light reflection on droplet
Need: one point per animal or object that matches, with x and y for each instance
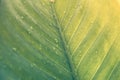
(57, 45)
(64, 12)
(52, 1)
(80, 55)
(33, 64)
(31, 27)
(54, 48)
(22, 17)
(81, 7)
(56, 40)
(96, 51)
(80, 51)
(14, 49)
(57, 53)
(40, 48)
(19, 68)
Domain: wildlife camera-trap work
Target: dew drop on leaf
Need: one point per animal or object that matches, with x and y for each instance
(19, 68)
(60, 72)
(64, 12)
(40, 48)
(43, 4)
(33, 64)
(52, 1)
(64, 61)
(50, 24)
(29, 32)
(57, 45)
(55, 77)
(80, 51)
(56, 40)
(67, 46)
(14, 49)
(31, 27)
(80, 55)
(81, 7)
(96, 51)
(57, 53)
(44, 62)
(53, 48)
(22, 17)
(10, 65)
(24, 2)
(92, 22)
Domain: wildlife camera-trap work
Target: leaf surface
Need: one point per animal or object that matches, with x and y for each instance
(59, 40)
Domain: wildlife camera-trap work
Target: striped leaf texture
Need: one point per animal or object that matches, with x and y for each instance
(59, 39)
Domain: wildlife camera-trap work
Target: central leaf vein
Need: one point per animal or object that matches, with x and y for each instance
(63, 43)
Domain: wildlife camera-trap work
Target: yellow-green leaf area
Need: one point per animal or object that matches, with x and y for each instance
(59, 40)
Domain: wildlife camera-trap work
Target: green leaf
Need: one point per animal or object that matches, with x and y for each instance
(59, 40)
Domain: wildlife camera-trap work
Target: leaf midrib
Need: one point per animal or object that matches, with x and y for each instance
(63, 42)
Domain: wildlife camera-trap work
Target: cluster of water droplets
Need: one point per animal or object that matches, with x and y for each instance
(14, 49)
(22, 17)
(96, 51)
(30, 29)
(56, 40)
(33, 65)
(79, 7)
(55, 50)
(56, 46)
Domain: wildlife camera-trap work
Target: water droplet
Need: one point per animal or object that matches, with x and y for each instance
(64, 61)
(96, 51)
(57, 45)
(22, 17)
(67, 46)
(55, 77)
(31, 27)
(33, 64)
(44, 62)
(56, 40)
(40, 48)
(80, 55)
(92, 22)
(10, 65)
(4, 66)
(43, 4)
(54, 48)
(51, 24)
(29, 32)
(77, 7)
(60, 72)
(19, 68)
(24, 2)
(52, 1)
(80, 51)
(81, 7)
(14, 49)
(57, 53)
(64, 12)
